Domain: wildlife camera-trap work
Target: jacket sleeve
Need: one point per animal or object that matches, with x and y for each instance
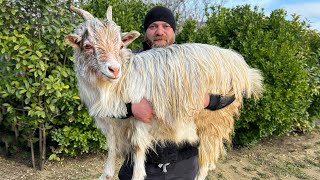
(219, 102)
(129, 111)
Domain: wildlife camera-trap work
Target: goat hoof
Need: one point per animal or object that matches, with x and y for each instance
(142, 178)
(104, 177)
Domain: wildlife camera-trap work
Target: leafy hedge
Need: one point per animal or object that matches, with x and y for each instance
(39, 97)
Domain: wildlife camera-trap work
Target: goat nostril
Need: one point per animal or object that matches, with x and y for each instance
(115, 71)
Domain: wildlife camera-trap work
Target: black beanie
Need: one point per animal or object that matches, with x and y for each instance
(159, 13)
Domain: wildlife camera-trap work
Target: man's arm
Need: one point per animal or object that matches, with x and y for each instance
(143, 110)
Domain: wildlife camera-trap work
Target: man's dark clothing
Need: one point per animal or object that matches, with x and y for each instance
(182, 170)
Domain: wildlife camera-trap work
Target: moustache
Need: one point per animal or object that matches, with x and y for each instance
(160, 38)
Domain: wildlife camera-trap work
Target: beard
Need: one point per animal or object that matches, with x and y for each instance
(160, 42)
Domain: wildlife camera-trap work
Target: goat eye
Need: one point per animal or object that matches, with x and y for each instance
(121, 46)
(87, 46)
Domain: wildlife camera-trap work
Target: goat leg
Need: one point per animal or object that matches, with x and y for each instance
(109, 167)
(139, 157)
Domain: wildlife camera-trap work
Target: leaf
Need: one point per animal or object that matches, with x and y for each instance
(42, 92)
(66, 86)
(54, 157)
(41, 63)
(15, 32)
(16, 83)
(34, 58)
(34, 139)
(26, 83)
(38, 108)
(22, 91)
(45, 13)
(28, 94)
(43, 114)
(76, 97)
(39, 53)
(52, 107)
(24, 62)
(27, 108)
(36, 84)
(6, 104)
(16, 47)
(64, 74)
(58, 94)
(41, 46)
(10, 109)
(39, 72)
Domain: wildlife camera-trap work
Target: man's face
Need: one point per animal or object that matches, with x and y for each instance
(159, 34)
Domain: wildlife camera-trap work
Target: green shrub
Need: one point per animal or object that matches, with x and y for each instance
(39, 95)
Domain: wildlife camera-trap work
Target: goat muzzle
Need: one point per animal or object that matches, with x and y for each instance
(114, 70)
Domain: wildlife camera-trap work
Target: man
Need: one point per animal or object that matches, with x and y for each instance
(170, 162)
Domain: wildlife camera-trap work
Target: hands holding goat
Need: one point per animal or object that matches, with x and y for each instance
(143, 110)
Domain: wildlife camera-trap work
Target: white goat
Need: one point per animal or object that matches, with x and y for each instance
(173, 79)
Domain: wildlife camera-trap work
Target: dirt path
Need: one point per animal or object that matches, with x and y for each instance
(291, 157)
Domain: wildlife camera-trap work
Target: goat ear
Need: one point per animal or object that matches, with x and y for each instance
(129, 37)
(73, 40)
(109, 13)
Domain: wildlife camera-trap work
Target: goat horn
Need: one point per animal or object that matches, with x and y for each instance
(109, 13)
(84, 14)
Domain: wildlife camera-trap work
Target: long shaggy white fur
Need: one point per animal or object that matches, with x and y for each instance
(176, 77)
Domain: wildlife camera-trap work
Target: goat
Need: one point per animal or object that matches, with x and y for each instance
(174, 79)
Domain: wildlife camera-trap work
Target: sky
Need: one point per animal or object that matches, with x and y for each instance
(307, 9)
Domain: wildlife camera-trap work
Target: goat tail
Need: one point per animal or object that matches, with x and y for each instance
(256, 83)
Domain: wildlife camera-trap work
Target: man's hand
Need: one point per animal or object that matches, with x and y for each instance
(143, 111)
(206, 100)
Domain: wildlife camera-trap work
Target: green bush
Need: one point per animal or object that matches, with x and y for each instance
(39, 95)
(77, 135)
